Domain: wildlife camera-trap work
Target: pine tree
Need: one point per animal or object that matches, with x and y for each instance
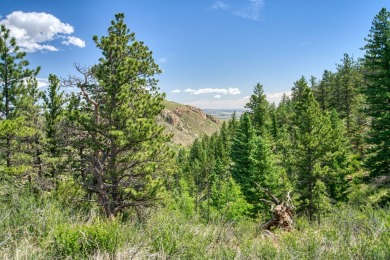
(284, 122)
(322, 91)
(53, 104)
(18, 109)
(242, 147)
(126, 154)
(321, 200)
(273, 121)
(259, 110)
(226, 196)
(377, 92)
(311, 140)
(349, 84)
(340, 164)
(322, 159)
(232, 125)
(265, 173)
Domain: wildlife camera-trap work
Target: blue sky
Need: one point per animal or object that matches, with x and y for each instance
(212, 52)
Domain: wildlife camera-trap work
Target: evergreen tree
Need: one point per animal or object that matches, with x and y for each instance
(264, 173)
(258, 110)
(342, 91)
(322, 91)
(321, 200)
(340, 164)
(18, 109)
(349, 84)
(232, 125)
(242, 147)
(126, 154)
(311, 140)
(226, 196)
(377, 92)
(273, 121)
(284, 115)
(53, 104)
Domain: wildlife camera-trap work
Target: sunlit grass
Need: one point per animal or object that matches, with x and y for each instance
(34, 228)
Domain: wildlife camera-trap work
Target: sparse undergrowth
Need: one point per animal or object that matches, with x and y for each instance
(42, 229)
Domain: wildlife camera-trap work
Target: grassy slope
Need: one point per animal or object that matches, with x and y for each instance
(52, 228)
(193, 123)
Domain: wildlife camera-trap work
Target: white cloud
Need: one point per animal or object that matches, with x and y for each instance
(252, 11)
(220, 103)
(234, 91)
(224, 91)
(162, 60)
(71, 40)
(232, 103)
(176, 91)
(42, 83)
(276, 97)
(188, 90)
(217, 96)
(33, 31)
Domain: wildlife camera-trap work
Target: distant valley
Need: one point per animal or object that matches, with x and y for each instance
(223, 113)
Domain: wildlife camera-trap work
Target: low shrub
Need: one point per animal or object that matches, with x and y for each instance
(82, 240)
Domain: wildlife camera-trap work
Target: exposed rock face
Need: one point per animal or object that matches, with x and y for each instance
(177, 111)
(215, 120)
(170, 117)
(198, 111)
(187, 123)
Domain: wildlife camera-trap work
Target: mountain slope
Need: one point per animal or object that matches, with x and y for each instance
(187, 123)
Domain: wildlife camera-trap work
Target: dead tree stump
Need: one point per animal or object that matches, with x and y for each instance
(282, 212)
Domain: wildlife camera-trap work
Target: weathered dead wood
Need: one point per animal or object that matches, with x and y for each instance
(282, 212)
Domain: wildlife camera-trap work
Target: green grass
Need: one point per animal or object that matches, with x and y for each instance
(46, 227)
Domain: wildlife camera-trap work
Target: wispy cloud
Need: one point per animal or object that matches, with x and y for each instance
(247, 9)
(224, 91)
(251, 11)
(162, 60)
(234, 102)
(220, 103)
(220, 5)
(188, 90)
(176, 91)
(276, 97)
(34, 31)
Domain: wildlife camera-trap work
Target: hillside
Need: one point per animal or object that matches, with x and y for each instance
(187, 122)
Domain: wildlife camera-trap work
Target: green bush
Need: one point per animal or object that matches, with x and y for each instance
(83, 240)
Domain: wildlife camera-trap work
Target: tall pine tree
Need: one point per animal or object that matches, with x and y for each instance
(312, 148)
(18, 109)
(53, 104)
(259, 110)
(126, 153)
(377, 92)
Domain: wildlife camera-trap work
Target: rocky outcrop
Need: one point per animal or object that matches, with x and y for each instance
(187, 123)
(198, 111)
(170, 117)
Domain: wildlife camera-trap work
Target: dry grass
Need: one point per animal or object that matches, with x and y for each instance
(30, 227)
(193, 124)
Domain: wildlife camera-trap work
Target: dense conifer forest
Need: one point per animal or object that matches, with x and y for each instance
(91, 174)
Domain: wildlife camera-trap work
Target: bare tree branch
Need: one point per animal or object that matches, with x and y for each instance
(274, 199)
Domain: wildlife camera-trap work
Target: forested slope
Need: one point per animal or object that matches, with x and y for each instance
(95, 173)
